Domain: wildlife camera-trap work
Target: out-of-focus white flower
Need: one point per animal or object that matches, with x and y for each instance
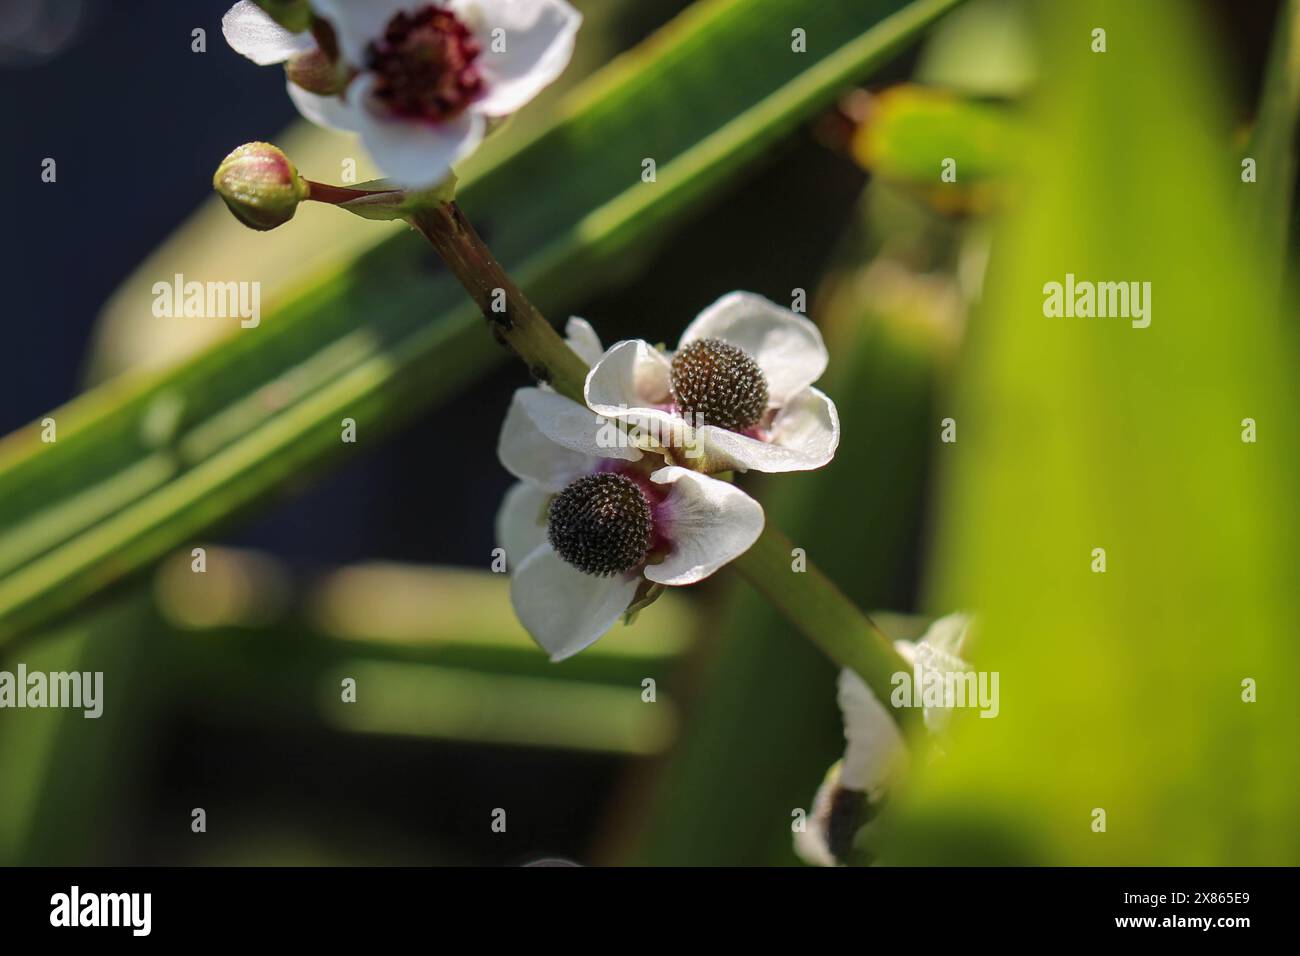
(938, 653)
(837, 814)
(591, 525)
(739, 386)
(418, 81)
(875, 755)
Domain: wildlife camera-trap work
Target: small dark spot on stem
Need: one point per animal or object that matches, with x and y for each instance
(499, 322)
(501, 339)
(540, 373)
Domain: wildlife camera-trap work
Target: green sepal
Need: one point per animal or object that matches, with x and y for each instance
(294, 15)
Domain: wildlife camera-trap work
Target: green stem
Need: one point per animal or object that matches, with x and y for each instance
(808, 599)
(811, 602)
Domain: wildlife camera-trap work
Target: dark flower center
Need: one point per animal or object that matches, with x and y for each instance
(849, 810)
(601, 524)
(425, 65)
(716, 383)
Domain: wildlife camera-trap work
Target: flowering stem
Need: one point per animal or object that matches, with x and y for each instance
(811, 602)
(514, 321)
(333, 195)
(808, 599)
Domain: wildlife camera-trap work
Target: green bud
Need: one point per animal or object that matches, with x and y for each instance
(294, 15)
(260, 186)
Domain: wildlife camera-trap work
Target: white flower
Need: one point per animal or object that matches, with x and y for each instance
(939, 652)
(739, 387)
(422, 79)
(875, 755)
(589, 527)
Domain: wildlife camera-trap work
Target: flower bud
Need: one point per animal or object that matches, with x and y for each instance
(260, 186)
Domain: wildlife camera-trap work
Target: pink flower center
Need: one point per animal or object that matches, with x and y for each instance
(425, 64)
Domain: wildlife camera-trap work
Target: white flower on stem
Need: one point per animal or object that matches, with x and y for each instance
(739, 387)
(875, 755)
(589, 528)
(582, 338)
(938, 652)
(418, 81)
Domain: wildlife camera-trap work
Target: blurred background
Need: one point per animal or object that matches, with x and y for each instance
(371, 561)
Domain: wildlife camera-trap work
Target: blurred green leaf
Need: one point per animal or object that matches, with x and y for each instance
(436, 654)
(67, 778)
(383, 338)
(911, 131)
(1273, 143)
(1122, 691)
(984, 49)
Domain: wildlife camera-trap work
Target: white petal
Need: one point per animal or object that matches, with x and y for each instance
(812, 843)
(633, 374)
(329, 111)
(875, 751)
(527, 452)
(906, 650)
(562, 608)
(358, 23)
(574, 426)
(709, 523)
(521, 521)
(808, 424)
(582, 338)
(787, 346)
(803, 436)
(948, 634)
(251, 32)
(539, 37)
(936, 654)
(415, 153)
(628, 382)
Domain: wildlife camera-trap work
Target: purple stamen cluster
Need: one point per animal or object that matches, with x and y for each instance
(425, 64)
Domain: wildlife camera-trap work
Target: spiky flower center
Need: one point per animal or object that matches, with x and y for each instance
(716, 383)
(601, 524)
(425, 64)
